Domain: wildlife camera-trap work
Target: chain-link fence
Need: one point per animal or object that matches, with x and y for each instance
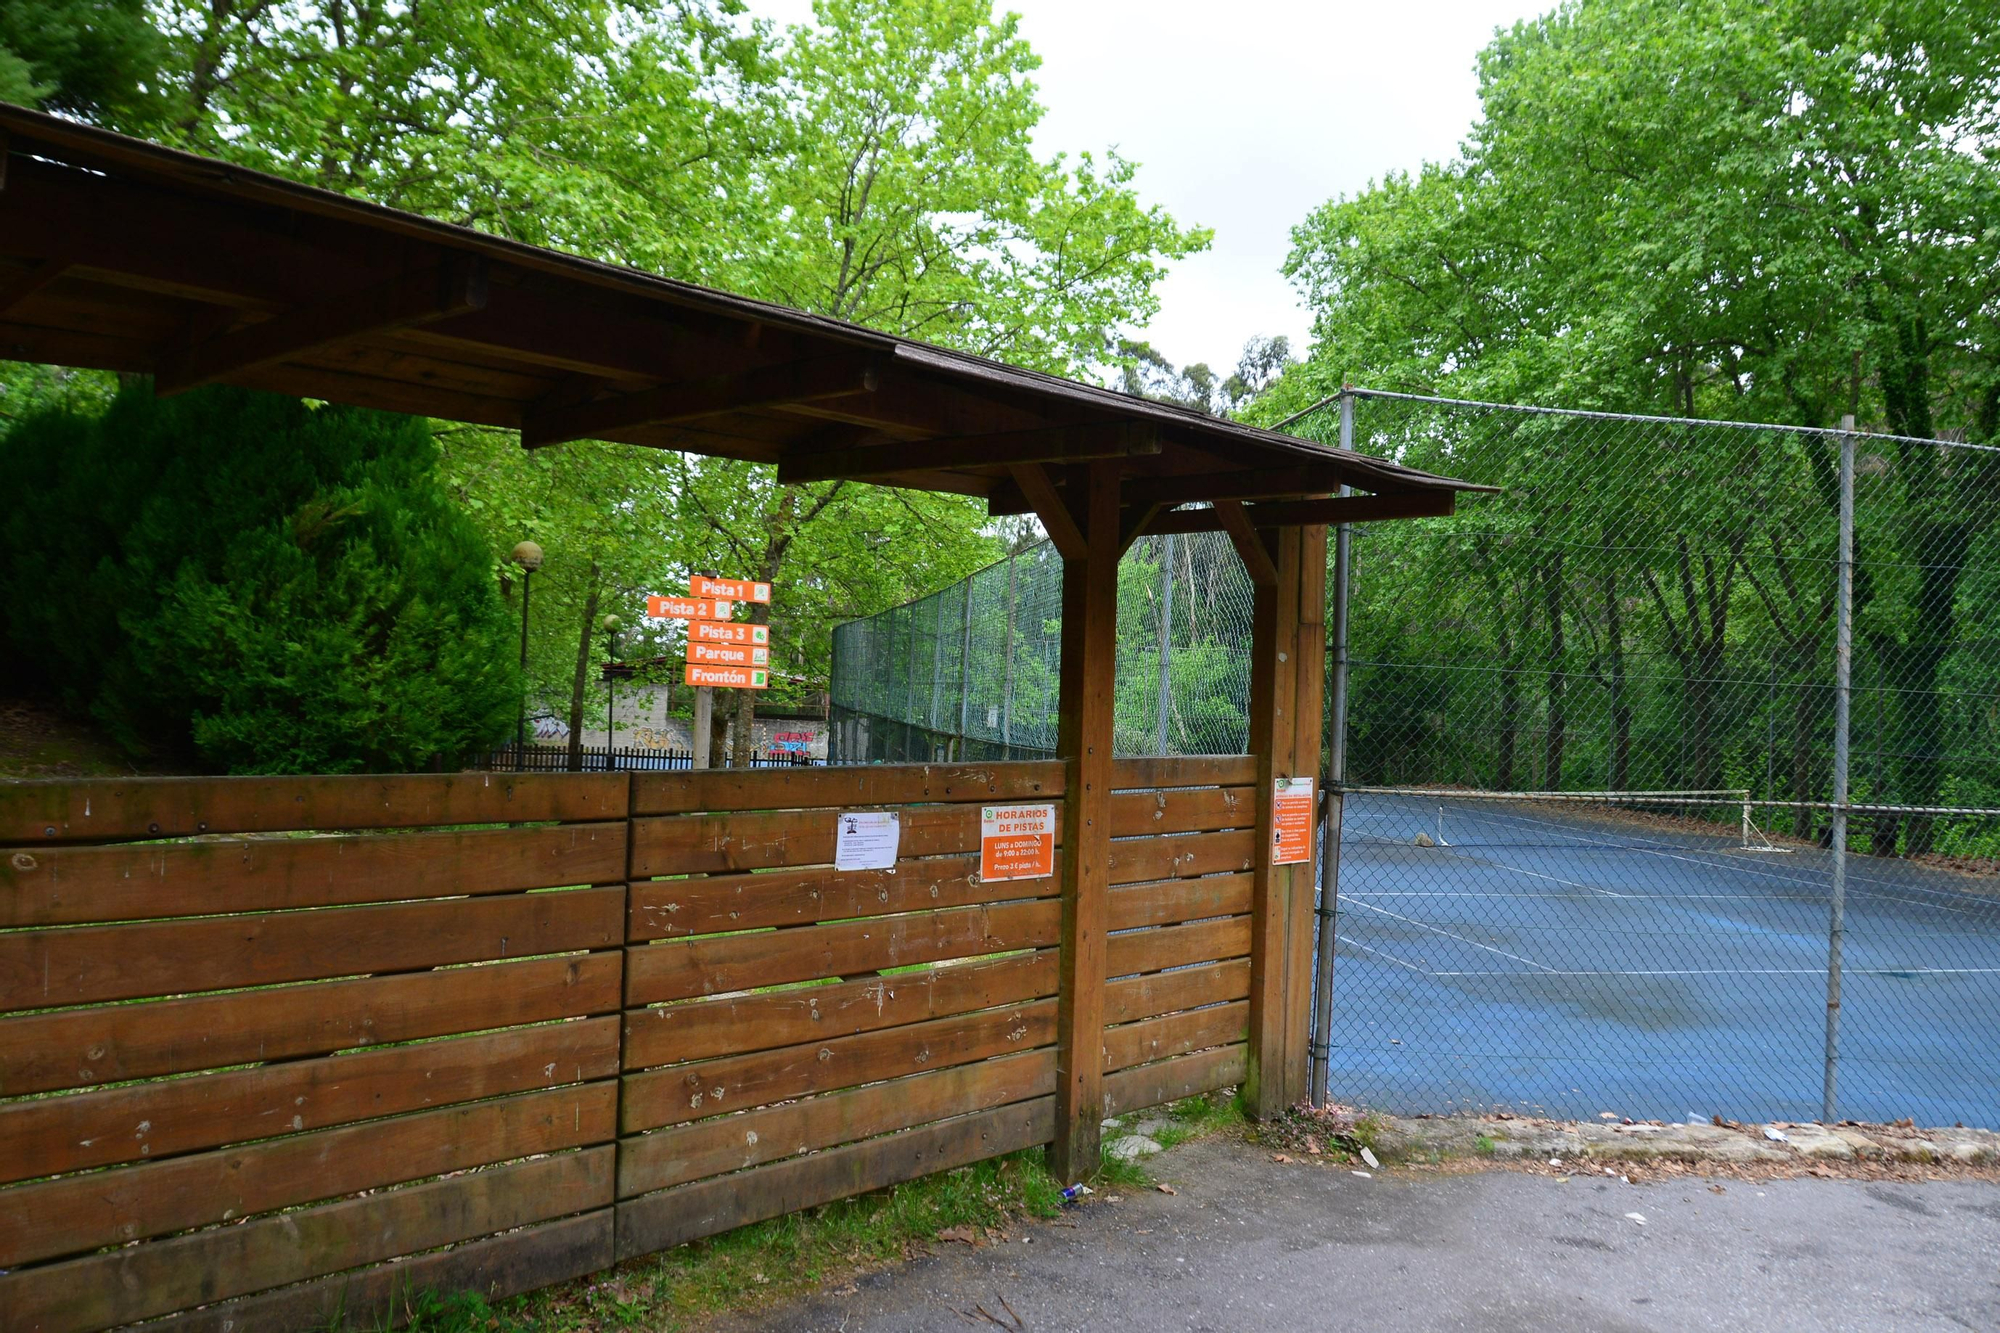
(971, 672)
(1650, 610)
(1655, 606)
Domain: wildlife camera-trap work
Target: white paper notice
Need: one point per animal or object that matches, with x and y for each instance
(867, 840)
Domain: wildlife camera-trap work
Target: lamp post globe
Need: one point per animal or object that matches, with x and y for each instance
(528, 555)
(610, 624)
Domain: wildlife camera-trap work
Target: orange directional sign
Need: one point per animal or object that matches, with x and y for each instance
(729, 677)
(728, 654)
(727, 631)
(737, 590)
(688, 608)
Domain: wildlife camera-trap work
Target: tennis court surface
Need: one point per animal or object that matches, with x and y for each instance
(1576, 959)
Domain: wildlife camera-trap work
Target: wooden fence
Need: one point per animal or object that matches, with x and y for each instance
(280, 1049)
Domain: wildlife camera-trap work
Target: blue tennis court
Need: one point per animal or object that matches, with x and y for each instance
(1574, 960)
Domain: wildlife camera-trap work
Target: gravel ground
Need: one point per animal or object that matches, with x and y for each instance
(1246, 1242)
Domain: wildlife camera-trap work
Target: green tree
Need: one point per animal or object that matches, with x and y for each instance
(260, 584)
(95, 58)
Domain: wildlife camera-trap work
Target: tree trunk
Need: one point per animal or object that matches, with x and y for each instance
(1552, 758)
(582, 679)
(1621, 705)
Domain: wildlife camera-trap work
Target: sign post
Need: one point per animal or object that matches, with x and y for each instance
(722, 653)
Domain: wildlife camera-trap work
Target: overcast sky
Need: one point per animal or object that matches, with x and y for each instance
(1245, 115)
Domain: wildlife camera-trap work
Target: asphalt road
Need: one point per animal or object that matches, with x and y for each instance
(1247, 1244)
(1572, 960)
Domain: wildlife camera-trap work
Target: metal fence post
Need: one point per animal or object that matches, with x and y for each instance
(1843, 688)
(1336, 800)
(1166, 634)
(965, 670)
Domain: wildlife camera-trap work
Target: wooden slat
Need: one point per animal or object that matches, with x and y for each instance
(106, 809)
(670, 1217)
(140, 1281)
(46, 1135)
(1137, 859)
(1131, 998)
(1194, 770)
(713, 843)
(674, 1156)
(85, 964)
(738, 1024)
(1184, 810)
(679, 1093)
(55, 886)
(677, 908)
(499, 1266)
(48, 1219)
(856, 787)
(81, 1047)
(1170, 1080)
(717, 843)
(1178, 946)
(1172, 901)
(1175, 1034)
(716, 964)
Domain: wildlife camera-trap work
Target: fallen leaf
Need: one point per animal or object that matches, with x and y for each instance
(1717, 1189)
(1312, 1145)
(1280, 1158)
(963, 1235)
(1168, 1189)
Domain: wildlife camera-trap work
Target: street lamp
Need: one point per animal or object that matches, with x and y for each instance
(529, 557)
(610, 624)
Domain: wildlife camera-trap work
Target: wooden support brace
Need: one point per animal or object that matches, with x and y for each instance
(1256, 556)
(27, 284)
(420, 297)
(1267, 1089)
(1052, 444)
(1051, 508)
(1089, 678)
(767, 386)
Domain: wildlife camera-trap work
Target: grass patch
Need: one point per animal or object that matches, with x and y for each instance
(686, 1287)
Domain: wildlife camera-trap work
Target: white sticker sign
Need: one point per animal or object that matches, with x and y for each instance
(866, 839)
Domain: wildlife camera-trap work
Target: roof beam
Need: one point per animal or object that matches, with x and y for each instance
(1434, 503)
(1257, 559)
(767, 386)
(1052, 444)
(417, 297)
(1054, 512)
(1261, 484)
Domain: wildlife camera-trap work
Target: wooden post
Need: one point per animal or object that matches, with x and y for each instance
(1089, 644)
(1309, 730)
(1274, 642)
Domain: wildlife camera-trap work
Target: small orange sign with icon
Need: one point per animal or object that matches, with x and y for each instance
(1017, 842)
(1292, 821)
(736, 590)
(728, 654)
(727, 631)
(729, 677)
(688, 608)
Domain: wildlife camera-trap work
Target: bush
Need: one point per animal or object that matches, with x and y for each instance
(266, 585)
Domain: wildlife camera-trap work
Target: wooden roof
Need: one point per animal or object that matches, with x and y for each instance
(123, 255)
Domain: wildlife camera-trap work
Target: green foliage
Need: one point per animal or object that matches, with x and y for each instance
(272, 587)
(85, 57)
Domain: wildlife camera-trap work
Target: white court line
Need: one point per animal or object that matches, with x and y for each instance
(1391, 958)
(1440, 930)
(1898, 972)
(1701, 860)
(1517, 870)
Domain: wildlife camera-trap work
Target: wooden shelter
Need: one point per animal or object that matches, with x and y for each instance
(123, 255)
